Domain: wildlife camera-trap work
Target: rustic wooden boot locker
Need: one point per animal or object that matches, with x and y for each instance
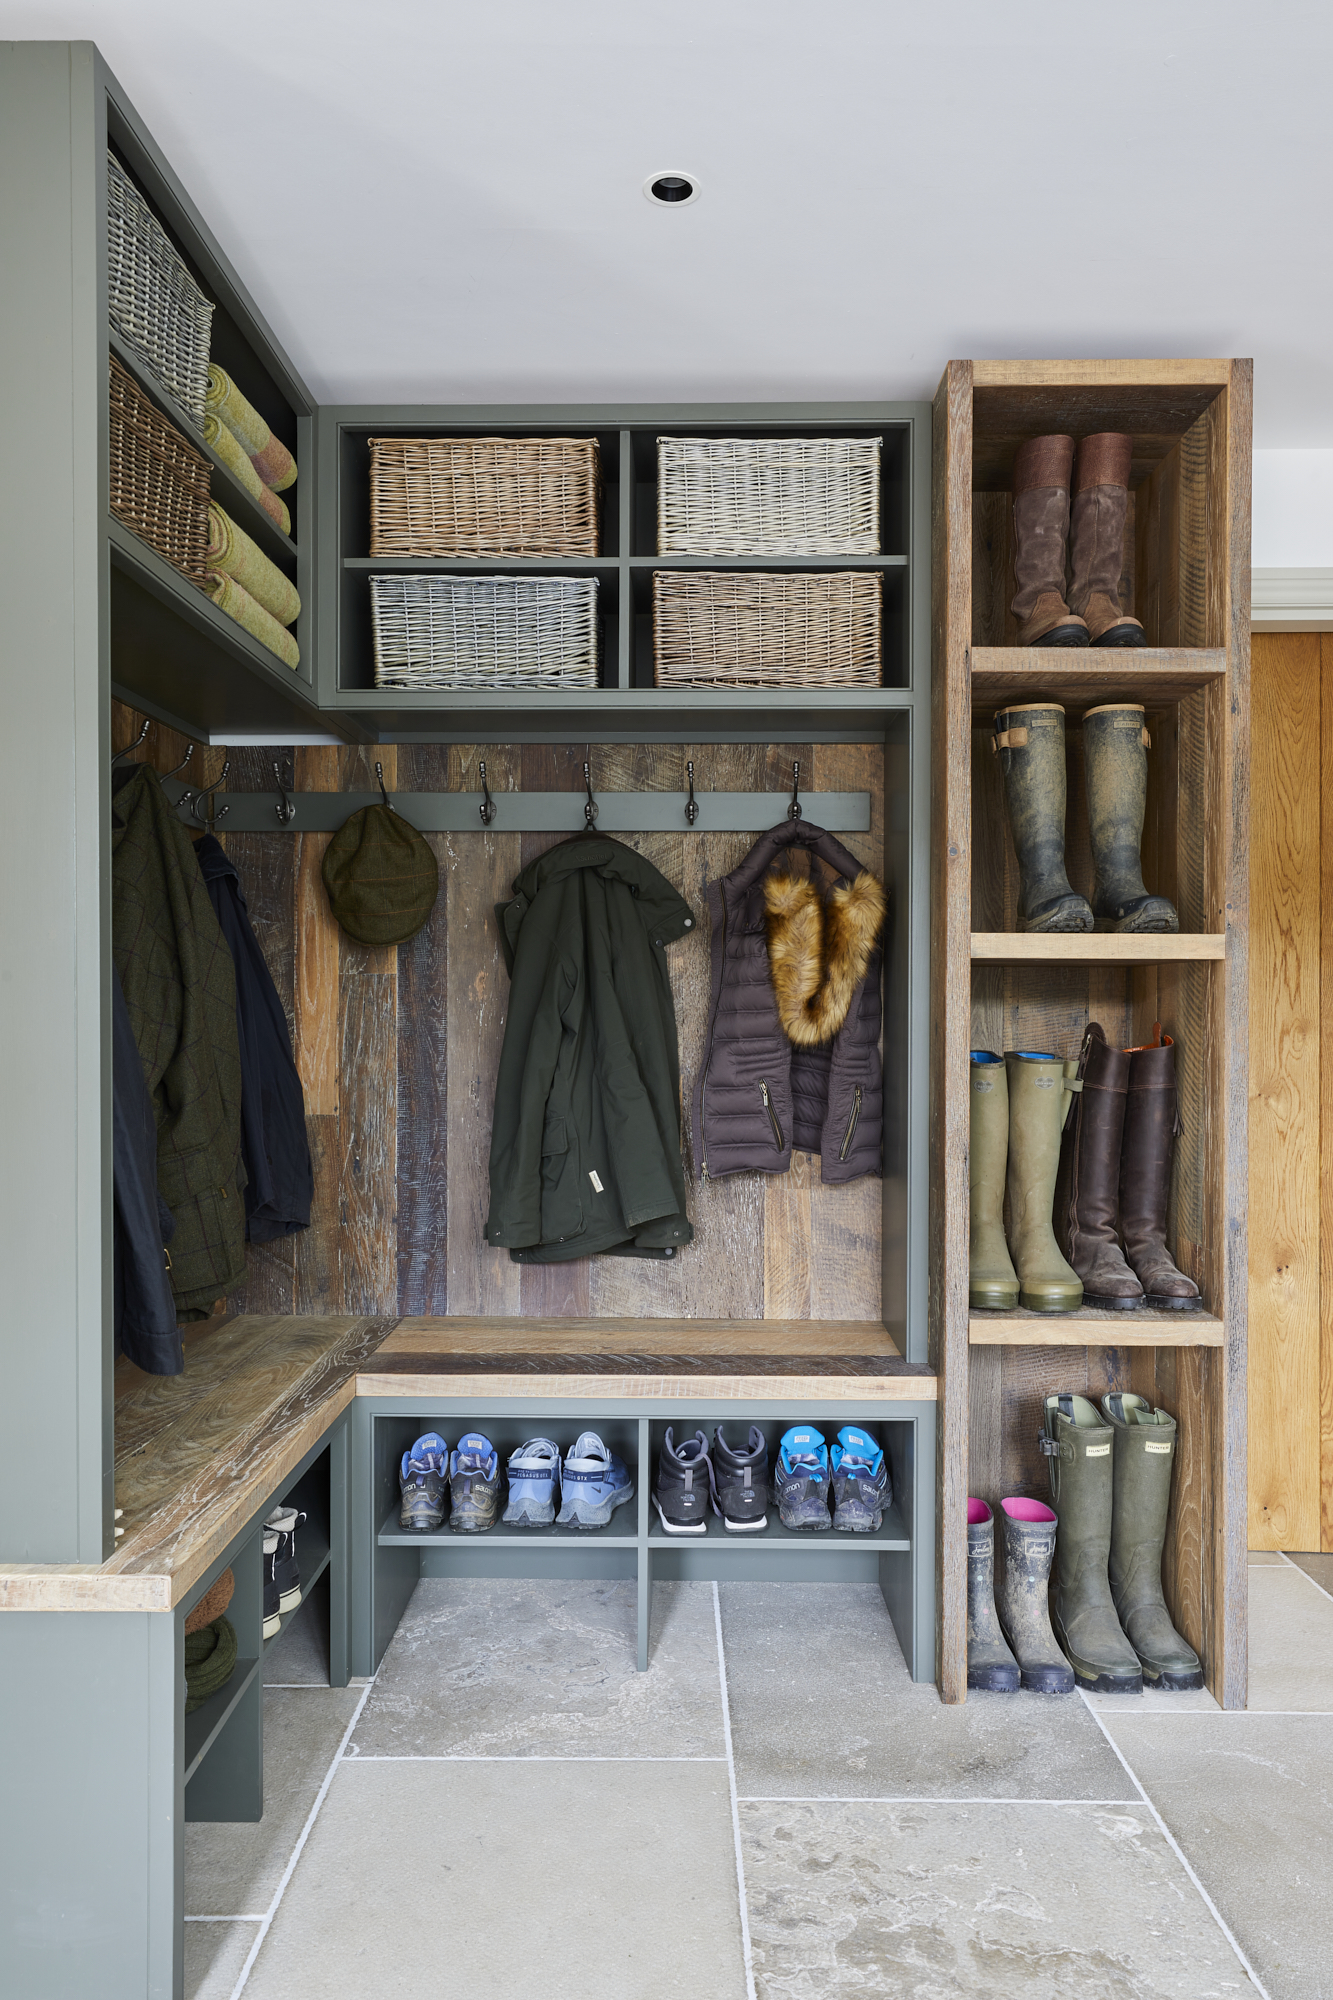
(390, 1315)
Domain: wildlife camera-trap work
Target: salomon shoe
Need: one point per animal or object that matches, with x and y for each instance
(284, 1521)
(423, 1482)
(593, 1482)
(474, 1485)
(684, 1480)
(802, 1480)
(740, 1489)
(534, 1475)
(860, 1481)
(272, 1615)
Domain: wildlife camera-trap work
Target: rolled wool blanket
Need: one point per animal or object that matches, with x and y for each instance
(211, 1605)
(231, 551)
(210, 1662)
(230, 451)
(229, 596)
(271, 458)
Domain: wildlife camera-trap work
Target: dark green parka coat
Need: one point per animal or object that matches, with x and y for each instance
(585, 1147)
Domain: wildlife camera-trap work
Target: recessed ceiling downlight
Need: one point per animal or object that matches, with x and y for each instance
(671, 190)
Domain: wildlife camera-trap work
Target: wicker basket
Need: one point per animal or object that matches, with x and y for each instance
(485, 632)
(768, 496)
(159, 483)
(755, 629)
(154, 303)
(484, 496)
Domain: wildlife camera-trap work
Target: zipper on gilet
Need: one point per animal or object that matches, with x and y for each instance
(778, 1139)
(852, 1124)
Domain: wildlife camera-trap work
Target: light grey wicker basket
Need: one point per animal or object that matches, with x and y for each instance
(154, 303)
(484, 632)
(768, 496)
(754, 628)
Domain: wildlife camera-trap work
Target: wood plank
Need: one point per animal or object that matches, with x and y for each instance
(1170, 374)
(368, 1143)
(318, 1275)
(315, 949)
(1326, 1097)
(1285, 1084)
(862, 1392)
(1096, 1325)
(423, 1008)
(1156, 676)
(509, 1334)
(787, 1272)
(1094, 948)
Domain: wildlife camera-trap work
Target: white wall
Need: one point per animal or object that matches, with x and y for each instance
(1293, 510)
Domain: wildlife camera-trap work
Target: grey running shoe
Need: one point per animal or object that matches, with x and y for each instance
(474, 1485)
(684, 1480)
(284, 1521)
(593, 1483)
(422, 1479)
(860, 1481)
(534, 1476)
(802, 1480)
(740, 1482)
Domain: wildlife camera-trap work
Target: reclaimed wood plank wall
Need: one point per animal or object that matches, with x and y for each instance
(398, 1052)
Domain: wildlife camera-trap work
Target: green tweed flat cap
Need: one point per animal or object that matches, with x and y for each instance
(381, 877)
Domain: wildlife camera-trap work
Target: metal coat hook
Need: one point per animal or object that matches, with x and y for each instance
(130, 748)
(794, 809)
(286, 807)
(487, 806)
(379, 778)
(176, 769)
(691, 804)
(210, 816)
(590, 809)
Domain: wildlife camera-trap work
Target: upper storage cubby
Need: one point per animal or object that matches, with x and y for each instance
(801, 572)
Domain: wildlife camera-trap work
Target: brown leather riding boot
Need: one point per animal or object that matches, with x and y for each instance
(1087, 1192)
(1097, 537)
(1041, 530)
(1152, 1121)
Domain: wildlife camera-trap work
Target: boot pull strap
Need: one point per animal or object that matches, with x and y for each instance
(1066, 1407)
(1009, 739)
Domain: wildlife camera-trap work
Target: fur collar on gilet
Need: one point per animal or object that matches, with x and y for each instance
(818, 952)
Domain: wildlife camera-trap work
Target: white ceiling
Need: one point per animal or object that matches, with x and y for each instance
(441, 201)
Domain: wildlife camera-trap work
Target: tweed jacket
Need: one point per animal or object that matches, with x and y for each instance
(180, 993)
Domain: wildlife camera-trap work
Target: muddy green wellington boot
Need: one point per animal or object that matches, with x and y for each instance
(992, 1284)
(1030, 743)
(1087, 1189)
(1077, 1445)
(1098, 511)
(1145, 1449)
(1039, 1093)
(1028, 1530)
(1041, 534)
(1115, 758)
(991, 1667)
(1152, 1123)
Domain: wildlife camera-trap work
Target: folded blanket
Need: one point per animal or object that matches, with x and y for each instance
(231, 550)
(233, 456)
(210, 1662)
(270, 458)
(237, 602)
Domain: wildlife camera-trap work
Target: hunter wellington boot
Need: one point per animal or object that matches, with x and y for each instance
(1115, 758)
(992, 1284)
(1039, 1093)
(1028, 1528)
(991, 1667)
(1030, 743)
(1152, 1121)
(1097, 537)
(1078, 1446)
(1145, 1447)
(1087, 1192)
(1041, 532)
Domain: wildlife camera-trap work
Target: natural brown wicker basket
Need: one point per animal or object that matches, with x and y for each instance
(753, 628)
(484, 496)
(159, 483)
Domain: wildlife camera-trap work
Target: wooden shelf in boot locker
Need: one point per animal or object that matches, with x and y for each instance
(1094, 1326)
(1085, 676)
(1094, 948)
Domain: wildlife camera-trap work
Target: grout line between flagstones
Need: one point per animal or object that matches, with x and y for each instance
(742, 1897)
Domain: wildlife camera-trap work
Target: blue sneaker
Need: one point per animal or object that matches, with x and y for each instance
(802, 1481)
(474, 1480)
(861, 1488)
(422, 1482)
(534, 1475)
(593, 1483)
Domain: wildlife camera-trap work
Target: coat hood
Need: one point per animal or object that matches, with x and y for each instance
(665, 913)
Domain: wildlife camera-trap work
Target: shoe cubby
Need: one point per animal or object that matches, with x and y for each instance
(1184, 575)
(894, 1534)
